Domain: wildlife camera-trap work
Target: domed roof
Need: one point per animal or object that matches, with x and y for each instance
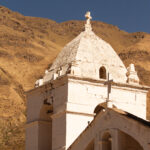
(85, 55)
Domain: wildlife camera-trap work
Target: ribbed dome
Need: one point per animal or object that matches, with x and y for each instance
(84, 56)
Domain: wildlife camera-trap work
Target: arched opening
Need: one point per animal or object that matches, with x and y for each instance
(126, 142)
(106, 141)
(102, 73)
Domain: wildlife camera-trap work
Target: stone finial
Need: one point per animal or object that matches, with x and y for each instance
(88, 24)
(46, 71)
(55, 75)
(132, 77)
(39, 83)
(131, 68)
(75, 69)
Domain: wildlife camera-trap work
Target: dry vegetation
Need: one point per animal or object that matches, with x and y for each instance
(28, 46)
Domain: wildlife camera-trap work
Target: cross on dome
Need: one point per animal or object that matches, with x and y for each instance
(88, 24)
(88, 16)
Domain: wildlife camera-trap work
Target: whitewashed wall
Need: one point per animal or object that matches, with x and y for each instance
(85, 96)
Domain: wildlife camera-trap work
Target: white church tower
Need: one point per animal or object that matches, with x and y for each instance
(64, 101)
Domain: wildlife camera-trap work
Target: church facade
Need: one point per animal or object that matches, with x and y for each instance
(87, 100)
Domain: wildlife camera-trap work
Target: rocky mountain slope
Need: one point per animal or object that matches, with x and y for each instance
(28, 46)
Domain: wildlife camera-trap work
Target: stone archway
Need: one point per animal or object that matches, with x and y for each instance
(114, 139)
(126, 142)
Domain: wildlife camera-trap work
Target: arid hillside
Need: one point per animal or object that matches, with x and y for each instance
(29, 45)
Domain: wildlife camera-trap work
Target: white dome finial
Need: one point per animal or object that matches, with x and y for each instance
(88, 24)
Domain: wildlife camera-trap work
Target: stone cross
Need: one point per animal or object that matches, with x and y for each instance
(88, 17)
(108, 83)
(88, 25)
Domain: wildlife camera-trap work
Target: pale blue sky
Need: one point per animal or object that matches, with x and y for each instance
(128, 15)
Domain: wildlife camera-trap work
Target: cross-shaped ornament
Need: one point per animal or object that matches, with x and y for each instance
(108, 83)
(88, 17)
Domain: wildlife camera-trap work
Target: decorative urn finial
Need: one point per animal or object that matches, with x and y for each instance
(88, 24)
(132, 77)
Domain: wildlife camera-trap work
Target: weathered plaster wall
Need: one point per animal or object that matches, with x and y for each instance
(84, 96)
(39, 127)
(32, 137)
(60, 95)
(130, 100)
(34, 105)
(45, 135)
(59, 132)
(67, 123)
(75, 125)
